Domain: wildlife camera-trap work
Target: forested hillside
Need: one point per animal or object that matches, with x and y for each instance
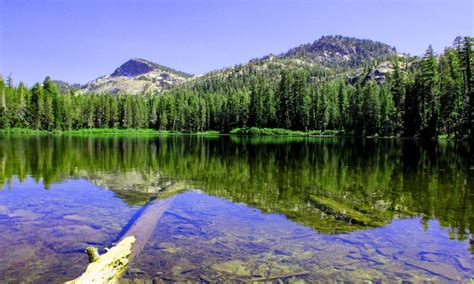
(335, 83)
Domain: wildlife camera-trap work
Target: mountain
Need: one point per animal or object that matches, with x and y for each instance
(137, 76)
(338, 51)
(329, 55)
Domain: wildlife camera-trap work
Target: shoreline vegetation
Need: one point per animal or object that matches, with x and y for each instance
(249, 132)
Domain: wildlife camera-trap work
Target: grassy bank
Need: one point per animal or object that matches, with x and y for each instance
(133, 131)
(104, 132)
(254, 131)
(113, 131)
(23, 131)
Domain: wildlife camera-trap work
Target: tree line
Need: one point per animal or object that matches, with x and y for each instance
(425, 97)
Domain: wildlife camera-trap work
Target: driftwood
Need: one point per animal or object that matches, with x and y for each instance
(107, 268)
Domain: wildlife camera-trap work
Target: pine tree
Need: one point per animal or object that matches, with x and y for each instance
(89, 113)
(153, 103)
(428, 88)
(50, 92)
(204, 115)
(269, 116)
(299, 113)
(4, 122)
(37, 106)
(398, 90)
(467, 65)
(22, 93)
(285, 100)
(68, 111)
(127, 115)
(371, 109)
(358, 111)
(322, 116)
(332, 104)
(451, 93)
(412, 115)
(255, 108)
(387, 112)
(343, 106)
(114, 119)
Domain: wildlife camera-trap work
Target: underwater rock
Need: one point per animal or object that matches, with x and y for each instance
(387, 251)
(464, 264)
(4, 209)
(183, 266)
(430, 257)
(76, 217)
(235, 267)
(168, 247)
(25, 214)
(439, 269)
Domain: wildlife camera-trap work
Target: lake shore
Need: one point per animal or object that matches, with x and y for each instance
(243, 132)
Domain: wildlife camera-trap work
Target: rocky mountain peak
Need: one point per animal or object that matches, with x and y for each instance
(342, 51)
(133, 67)
(137, 76)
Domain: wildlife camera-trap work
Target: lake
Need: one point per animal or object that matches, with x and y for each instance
(247, 209)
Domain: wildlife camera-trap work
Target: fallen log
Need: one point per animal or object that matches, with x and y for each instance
(343, 212)
(107, 268)
(145, 224)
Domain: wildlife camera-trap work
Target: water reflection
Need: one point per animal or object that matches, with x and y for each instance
(329, 186)
(206, 239)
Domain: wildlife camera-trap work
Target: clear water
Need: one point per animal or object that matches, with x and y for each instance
(264, 209)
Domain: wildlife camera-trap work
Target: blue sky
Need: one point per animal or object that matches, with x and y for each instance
(77, 41)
